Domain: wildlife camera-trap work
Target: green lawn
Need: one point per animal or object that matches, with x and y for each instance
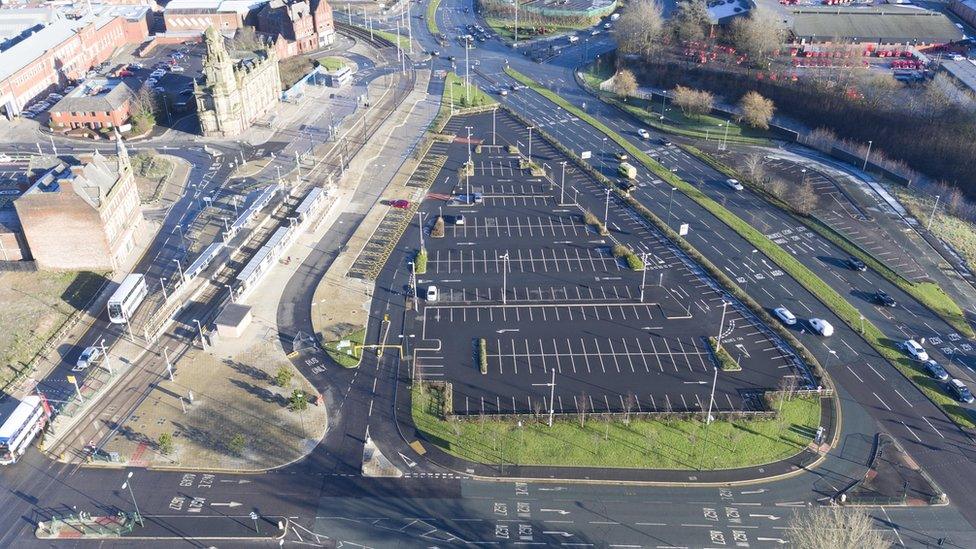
(391, 36)
(505, 28)
(644, 443)
(702, 127)
(343, 356)
(473, 96)
(808, 279)
(431, 17)
(332, 63)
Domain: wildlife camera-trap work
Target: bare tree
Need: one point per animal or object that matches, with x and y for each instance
(757, 111)
(624, 83)
(629, 403)
(692, 102)
(581, 406)
(640, 29)
(804, 199)
(691, 20)
(830, 527)
(759, 34)
(754, 168)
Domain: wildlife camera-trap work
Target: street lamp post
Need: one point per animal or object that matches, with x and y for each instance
(420, 225)
(867, 155)
(562, 185)
(606, 211)
(643, 277)
(928, 227)
(128, 484)
(162, 286)
(504, 258)
(552, 394)
(180, 269)
(708, 418)
(670, 200)
(718, 339)
(200, 331)
(182, 237)
(530, 128)
(725, 138)
(230, 290)
(108, 361)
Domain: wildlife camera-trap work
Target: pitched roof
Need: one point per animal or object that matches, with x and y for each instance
(895, 24)
(96, 95)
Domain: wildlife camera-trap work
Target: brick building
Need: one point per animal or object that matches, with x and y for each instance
(83, 216)
(96, 103)
(198, 15)
(297, 26)
(47, 54)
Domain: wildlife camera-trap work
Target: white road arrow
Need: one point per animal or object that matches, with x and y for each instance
(240, 481)
(228, 504)
(503, 330)
(410, 463)
(759, 491)
(558, 533)
(556, 489)
(560, 511)
(770, 517)
(775, 540)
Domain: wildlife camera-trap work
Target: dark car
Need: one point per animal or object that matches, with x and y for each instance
(935, 370)
(883, 298)
(856, 264)
(401, 204)
(666, 142)
(959, 391)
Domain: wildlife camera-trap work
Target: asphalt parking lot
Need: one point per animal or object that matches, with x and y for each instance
(544, 290)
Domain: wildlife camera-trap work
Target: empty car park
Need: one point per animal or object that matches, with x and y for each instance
(546, 296)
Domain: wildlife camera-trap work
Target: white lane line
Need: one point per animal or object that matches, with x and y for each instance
(910, 431)
(932, 426)
(881, 401)
(875, 371)
(905, 399)
(855, 374)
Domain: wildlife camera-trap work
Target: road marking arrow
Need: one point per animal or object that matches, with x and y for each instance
(239, 481)
(560, 511)
(557, 533)
(228, 504)
(410, 463)
(776, 540)
(556, 489)
(759, 491)
(770, 517)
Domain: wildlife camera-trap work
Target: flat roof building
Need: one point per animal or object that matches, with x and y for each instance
(96, 103)
(883, 25)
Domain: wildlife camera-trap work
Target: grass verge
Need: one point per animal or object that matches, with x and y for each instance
(929, 294)
(420, 262)
(886, 347)
(640, 443)
(462, 97)
(331, 63)
(347, 357)
(390, 37)
(431, 17)
(677, 123)
(725, 360)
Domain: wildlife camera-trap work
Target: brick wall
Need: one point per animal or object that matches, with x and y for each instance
(63, 231)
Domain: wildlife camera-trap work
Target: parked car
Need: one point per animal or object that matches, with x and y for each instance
(28, 114)
(856, 264)
(138, 66)
(785, 315)
(401, 204)
(883, 298)
(914, 350)
(454, 219)
(936, 370)
(595, 32)
(177, 68)
(644, 134)
(822, 327)
(87, 358)
(959, 391)
(431, 293)
(734, 184)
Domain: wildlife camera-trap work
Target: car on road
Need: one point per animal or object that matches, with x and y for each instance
(914, 350)
(608, 26)
(401, 204)
(734, 184)
(959, 391)
(137, 66)
(856, 264)
(621, 156)
(883, 298)
(435, 53)
(87, 358)
(177, 68)
(595, 32)
(785, 315)
(432, 293)
(936, 370)
(644, 134)
(822, 327)
(503, 92)
(665, 142)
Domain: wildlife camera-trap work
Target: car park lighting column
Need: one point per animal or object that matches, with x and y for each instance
(530, 128)
(108, 362)
(606, 211)
(552, 394)
(708, 418)
(718, 339)
(928, 227)
(562, 185)
(505, 260)
(420, 225)
(128, 484)
(643, 276)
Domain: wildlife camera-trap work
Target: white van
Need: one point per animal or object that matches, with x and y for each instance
(431, 293)
(915, 350)
(573, 39)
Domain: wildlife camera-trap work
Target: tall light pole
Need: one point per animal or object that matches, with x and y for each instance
(718, 339)
(516, 22)
(643, 276)
(413, 285)
(180, 269)
(420, 225)
(725, 138)
(932, 216)
(562, 185)
(867, 155)
(504, 258)
(182, 237)
(552, 394)
(108, 361)
(708, 418)
(530, 128)
(469, 143)
(670, 200)
(162, 286)
(200, 331)
(494, 135)
(606, 210)
(128, 484)
(467, 73)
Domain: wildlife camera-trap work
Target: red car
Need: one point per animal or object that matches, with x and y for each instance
(402, 204)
